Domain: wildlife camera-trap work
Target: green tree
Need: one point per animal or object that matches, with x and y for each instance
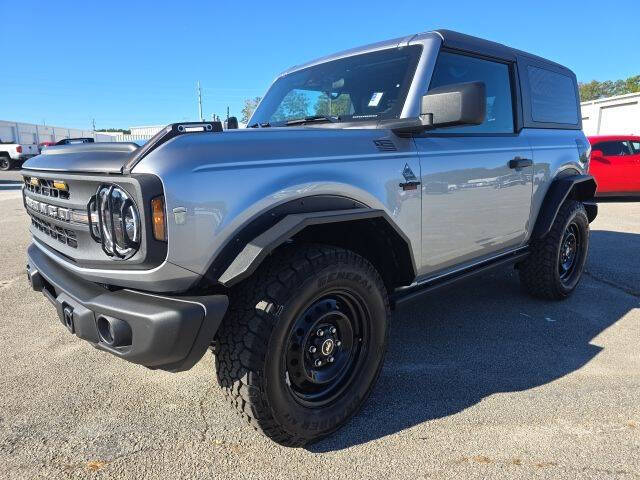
(633, 84)
(294, 105)
(250, 105)
(338, 106)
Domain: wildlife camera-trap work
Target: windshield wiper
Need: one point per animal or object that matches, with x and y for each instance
(259, 125)
(313, 118)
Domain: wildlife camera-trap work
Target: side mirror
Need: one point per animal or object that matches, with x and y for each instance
(457, 104)
(448, 106)
(598, 156)
(232, 123)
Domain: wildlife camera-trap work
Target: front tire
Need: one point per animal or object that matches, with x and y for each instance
(303, 342)
(555, 265)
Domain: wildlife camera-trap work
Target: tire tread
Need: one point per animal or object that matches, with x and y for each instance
(241, 343)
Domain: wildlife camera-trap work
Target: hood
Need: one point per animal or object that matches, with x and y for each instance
(101, 157)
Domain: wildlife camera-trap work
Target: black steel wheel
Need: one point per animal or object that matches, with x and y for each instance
(557, 260)
(570, 251)
(303, 342)
(326, 347)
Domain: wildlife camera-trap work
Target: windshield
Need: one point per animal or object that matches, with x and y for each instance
(369, 86)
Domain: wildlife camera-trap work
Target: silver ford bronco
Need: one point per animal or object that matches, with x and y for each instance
(364, 179)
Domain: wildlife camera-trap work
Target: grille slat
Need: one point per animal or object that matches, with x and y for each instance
(45, 187)
(63, 235)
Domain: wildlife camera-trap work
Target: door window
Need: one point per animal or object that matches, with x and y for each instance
(636, 147)
(454, 68)
(614, 149)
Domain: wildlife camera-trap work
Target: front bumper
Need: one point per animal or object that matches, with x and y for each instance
(168, 333)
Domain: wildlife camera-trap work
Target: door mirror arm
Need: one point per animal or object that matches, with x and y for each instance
(448, 106)
(406, 127)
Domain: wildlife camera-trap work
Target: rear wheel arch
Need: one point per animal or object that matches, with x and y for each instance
(569, 186)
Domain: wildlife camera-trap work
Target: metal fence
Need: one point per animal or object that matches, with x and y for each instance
(130, 138)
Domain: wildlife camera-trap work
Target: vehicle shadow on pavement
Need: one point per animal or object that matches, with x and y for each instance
(455, 347)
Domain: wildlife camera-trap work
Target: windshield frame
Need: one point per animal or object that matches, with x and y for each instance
(259, 118)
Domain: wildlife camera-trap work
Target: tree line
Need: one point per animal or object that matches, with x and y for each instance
(594, 89)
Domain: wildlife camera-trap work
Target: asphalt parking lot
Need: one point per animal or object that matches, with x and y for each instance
(479, 381)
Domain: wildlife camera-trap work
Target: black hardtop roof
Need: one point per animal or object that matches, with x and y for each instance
(469, 43)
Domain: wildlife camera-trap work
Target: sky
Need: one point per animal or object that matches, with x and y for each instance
(135, 63)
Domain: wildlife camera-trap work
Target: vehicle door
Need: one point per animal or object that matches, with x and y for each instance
(613, 165)
(635, 168)
(476, 180)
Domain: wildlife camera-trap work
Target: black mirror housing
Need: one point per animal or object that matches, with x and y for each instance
(457, 104)
(232, 123)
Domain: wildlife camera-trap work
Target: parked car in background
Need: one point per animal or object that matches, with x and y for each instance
(75, 141)
(44, 145)
(615, 164)
(14, 154)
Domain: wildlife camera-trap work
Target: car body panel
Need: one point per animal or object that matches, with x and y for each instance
(487, 212)
(264, 168)
(616, 175)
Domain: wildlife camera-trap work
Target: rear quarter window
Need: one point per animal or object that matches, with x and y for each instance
(553, 97)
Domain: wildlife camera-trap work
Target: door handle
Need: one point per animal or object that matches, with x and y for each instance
(518, 162)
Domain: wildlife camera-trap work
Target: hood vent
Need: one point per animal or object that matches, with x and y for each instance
(385, 145)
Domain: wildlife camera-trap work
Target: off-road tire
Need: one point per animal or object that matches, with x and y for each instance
(539, 273)
(250, 347)
(5, 163)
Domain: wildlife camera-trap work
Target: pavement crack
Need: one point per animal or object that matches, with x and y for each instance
(204, 396)
(622, 288)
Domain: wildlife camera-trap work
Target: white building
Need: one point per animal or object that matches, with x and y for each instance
(613, 115)
(147, 131)
(32, 134)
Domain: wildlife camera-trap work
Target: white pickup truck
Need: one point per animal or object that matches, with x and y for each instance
(14, 154)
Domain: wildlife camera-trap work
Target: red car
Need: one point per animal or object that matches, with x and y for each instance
(615, 164)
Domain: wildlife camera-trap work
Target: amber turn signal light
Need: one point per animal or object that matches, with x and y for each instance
(159, 219)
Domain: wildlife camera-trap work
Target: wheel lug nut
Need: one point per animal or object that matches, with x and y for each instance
(312, 349)
(320, 333)
(318, 363)
(330, 359)
(333, 330)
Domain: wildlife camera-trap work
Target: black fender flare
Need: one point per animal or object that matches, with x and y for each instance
(577, 187)
(255, 251)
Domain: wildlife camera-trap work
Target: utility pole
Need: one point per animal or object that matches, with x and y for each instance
(200, 102)
(227, 114)
(94, 124)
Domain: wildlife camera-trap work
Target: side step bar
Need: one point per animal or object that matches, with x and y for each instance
(406, 295)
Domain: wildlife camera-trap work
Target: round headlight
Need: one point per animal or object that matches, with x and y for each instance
(118, 227)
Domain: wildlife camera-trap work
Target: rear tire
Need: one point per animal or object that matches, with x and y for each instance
(303, 342)
(5, 163)
(555, 265)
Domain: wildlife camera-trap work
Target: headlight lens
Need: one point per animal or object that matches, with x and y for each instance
(118, 226)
